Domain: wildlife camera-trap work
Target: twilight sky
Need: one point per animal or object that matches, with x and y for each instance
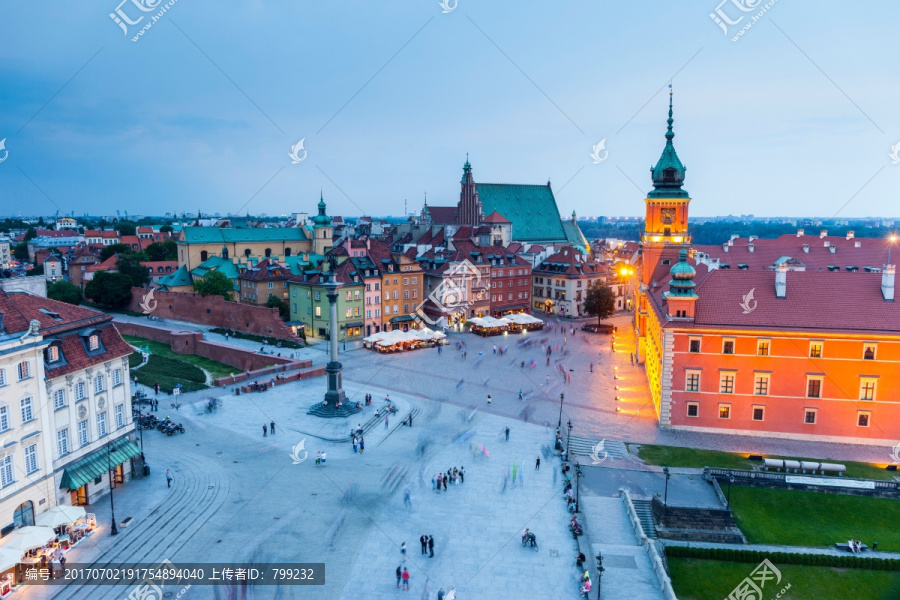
(797, 117)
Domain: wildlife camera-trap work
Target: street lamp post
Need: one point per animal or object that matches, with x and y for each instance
(730, 481)
(561, 398)
(666, 496)
(600, 570)
(577, 485)
(568, 436)
(113, 530)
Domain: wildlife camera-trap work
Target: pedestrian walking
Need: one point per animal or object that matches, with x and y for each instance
(520, 395)
(462, 475)
(424, 541)
(362, 444)
(632, 358)
(169, 477)
(265, 431)
(272, 427)
(405, 579)
(403, 551)
(319, 458)
(592, 367)
(385, 421)
(507, 434)
(399, 576)
(354, 444)
(430, 546)
(324, 457)
(537, 465)
(440, 594)
(156, 388)
(489, 398)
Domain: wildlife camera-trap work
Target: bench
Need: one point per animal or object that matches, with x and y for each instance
(846, 547)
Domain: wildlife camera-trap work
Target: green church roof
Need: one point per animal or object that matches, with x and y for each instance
(178, 278)
(216, 263)
(531, 209)
(224, 235)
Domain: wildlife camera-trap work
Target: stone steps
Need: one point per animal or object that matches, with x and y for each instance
(580, 446)
(644, 511)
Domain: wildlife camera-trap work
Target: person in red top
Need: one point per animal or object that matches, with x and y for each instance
(405, 577)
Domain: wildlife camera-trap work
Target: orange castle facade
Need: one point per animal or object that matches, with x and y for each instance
(771, 351)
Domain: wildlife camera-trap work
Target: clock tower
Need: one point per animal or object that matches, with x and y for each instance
(666, 224)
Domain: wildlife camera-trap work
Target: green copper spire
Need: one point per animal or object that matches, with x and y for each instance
(682, 283)
(321, 219)
(467, 168)
(668, 174)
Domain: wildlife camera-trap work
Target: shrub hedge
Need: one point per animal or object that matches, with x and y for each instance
(843, 561)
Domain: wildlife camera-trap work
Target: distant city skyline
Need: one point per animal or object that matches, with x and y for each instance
(207, 109)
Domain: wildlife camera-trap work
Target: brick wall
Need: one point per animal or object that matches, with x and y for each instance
(192, 342)
(214, 311)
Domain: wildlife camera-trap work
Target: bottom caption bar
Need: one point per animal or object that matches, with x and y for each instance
(167, 573)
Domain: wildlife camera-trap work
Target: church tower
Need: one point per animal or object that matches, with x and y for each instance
(469, 211)
(322, 230)
(666, 224)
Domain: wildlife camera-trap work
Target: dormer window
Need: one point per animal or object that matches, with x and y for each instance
(52, 354)
(93, 342)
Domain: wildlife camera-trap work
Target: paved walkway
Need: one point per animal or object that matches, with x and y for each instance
(628, 573)
(787, 549)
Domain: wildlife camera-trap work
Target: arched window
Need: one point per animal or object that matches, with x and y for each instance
(268, 252)
(287, 251)
(203, 255)
(247, 252)
(24, 515)
(224, 252)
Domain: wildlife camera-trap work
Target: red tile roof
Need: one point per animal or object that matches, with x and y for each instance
(266, 270)
(495, 217)
(871, 251)
(20, 309)
(77, 358)
(442, 215)
(107, 265)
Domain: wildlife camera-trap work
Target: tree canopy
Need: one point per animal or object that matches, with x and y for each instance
(111, 289)
(129, 264)
(600, 301)
(64, 292)
(166, 250)
(108, 251)
(214, 283)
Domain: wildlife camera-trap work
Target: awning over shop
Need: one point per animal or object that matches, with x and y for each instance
(403, 319)
(90, 467)
(355, 324)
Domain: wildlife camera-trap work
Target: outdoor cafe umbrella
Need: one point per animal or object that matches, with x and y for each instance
(26, 538)
(9, 558)
(60, 515)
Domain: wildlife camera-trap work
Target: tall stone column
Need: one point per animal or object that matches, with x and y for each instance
(335, 404)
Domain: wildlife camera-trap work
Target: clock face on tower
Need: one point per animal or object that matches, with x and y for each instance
(667, 215)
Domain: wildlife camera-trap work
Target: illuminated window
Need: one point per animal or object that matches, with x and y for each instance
(815, 349)
(724, 411)
(762, 347)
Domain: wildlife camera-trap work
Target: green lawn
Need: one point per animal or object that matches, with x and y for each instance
(169, 372)
(796, 518)
(215, 368)
(672, 456)
(695, 579)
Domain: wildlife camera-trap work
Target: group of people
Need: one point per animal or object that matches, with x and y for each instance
(457, 476)
(269, 429)
(857, 547)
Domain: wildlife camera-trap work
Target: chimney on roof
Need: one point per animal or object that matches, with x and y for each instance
(781, 281)
(750, 247)
(827, 243)
(851, 235)
(752, 237)
(822, 233)
(832, 249)
(799, 233)
(857, 244)
(887, 283)
(725, 247)
(806, 248)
